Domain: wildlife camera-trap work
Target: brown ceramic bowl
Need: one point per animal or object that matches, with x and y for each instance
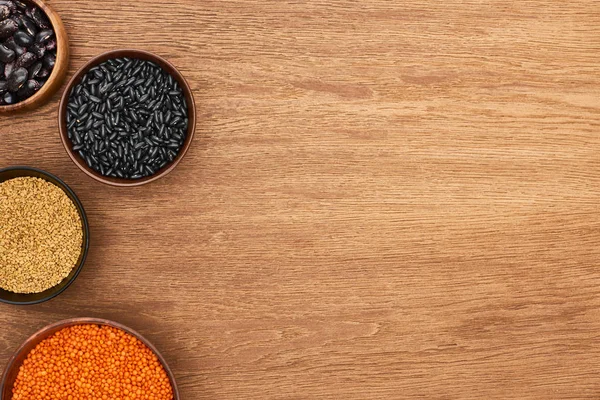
(61, 67)
(15, 362)
(143, 55)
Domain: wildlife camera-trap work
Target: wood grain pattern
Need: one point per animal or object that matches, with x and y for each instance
(384, 200)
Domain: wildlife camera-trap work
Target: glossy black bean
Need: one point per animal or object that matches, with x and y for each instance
(7, 55)
(43, 36)
(28, 89)
(76, 137)
(4, 12)
(9, 98)
(26, 60)
(49, 60)
(44, 73)
(10, 4)
(34, 70)
(23, 38)
(17, 79)
(39, 18)
(51, 44)
(28, 25)
(3, 87)
(7, 28)
(82, 109)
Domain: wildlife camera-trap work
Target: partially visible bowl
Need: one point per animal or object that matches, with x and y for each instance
(36, 298)
(134, 54)
(15, 362)
(59, 73)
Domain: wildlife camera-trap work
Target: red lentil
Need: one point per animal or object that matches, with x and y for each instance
(86, 362)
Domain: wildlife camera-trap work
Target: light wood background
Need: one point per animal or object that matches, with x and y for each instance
(385, 199)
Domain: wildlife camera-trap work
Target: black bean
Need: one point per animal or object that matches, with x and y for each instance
(39, 18)
(9, 98)
(76, 137)
(23, 38)
(44, 73)
(17, 79)
(28, 25)
(106, 88)
(49, 60)
(4, 12)
(35, 70)
(44, 36)
(7, 28)
(7, 55)
(51, 45)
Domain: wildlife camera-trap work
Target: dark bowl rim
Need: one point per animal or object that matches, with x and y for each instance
(88, 321)
(62, 109)
(84, 223)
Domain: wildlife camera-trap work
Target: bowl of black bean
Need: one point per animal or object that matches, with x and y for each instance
(34, 54)
(127, 118)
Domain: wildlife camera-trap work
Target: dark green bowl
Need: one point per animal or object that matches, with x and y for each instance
(36, 298)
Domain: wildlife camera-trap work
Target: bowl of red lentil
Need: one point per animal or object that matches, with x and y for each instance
(44, 236)
(88, 358)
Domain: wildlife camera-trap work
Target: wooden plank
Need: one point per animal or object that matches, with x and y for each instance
(385, 200)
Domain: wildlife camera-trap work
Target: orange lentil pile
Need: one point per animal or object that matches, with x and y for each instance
(86, 362)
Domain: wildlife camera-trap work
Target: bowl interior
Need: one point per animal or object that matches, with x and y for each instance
(59, 72)
(143, 55)
(34, 298)
(14, 364)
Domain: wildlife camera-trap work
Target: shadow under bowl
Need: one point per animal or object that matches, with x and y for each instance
(15, 362)
(36, 298)
(76, 79)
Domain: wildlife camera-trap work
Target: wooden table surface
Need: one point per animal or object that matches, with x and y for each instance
(385, 199)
